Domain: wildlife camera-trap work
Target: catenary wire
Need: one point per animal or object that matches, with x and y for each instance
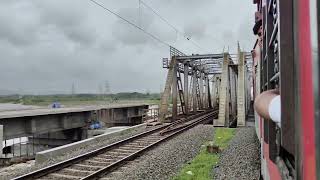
(131, 23)
(169, 24)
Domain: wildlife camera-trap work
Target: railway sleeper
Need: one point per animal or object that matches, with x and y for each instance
(75, 172)
(106, 178)
(151, 141)
(108, 156)
(116, 153)
(140, 144)
(104, 159)
(86, 167)
(62, 176)
(115, 173)
(132, 147)
(95, 163)
(155, 138)
(144, 142)
(129, 151)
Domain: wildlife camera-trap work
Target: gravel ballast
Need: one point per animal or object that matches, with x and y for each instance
(241, 159)
(23, 168)
(166, 160)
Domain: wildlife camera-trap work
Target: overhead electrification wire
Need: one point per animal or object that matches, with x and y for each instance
(162, 18)
(131, 23)
(169, 24)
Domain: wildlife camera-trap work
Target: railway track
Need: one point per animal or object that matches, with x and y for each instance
(95, 164)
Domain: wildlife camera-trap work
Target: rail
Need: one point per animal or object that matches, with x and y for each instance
(104, 160)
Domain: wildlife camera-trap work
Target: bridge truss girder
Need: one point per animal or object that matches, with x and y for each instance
(193, 92)
(188, 84)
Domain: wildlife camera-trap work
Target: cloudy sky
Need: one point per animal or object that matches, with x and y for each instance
(48, 45)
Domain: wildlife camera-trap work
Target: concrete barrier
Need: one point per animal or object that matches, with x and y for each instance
(46, 155)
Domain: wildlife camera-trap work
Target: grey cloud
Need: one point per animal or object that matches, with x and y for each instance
(16, 29)
(46, 45)
(71, 19)
(81, 35)
(183, 5)
(228, 37)
(244, 33)
(128, 34)
(195, 28)
(67, 14)
(107, 45)
(44, 15)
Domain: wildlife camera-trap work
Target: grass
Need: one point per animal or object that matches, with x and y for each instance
(82, 99)
(94, 102)
(223, 136)
(201, 166)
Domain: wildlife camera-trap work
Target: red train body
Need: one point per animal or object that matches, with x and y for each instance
(286, 57)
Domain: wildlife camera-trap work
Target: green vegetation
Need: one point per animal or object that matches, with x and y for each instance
(200, 168)
(83, 99)
(223, 136)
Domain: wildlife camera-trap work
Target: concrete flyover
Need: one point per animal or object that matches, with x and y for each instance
(65, 125)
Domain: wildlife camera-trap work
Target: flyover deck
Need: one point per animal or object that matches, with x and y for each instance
(23, 123)
(51, 111)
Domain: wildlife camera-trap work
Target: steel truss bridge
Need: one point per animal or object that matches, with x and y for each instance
(199, 82)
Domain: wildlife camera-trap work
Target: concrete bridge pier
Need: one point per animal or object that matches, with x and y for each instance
(223, 116)
(241, 96)
(194, 91)
(234, 93)
(201, 78)
(216, 79)
(186, 87)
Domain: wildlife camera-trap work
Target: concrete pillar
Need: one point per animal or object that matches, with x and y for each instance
(164, 103)
(214, 99)
(241, 91)
(206, 91)
(204, 98)
(228, 101)
(223, 93)
(1, 140)
(218, 89)
(246, 84)
(194, 91)
(186, 90)
(175, 92)
(248, 88)
(209, 101)
(201, 89)
(233, 88)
